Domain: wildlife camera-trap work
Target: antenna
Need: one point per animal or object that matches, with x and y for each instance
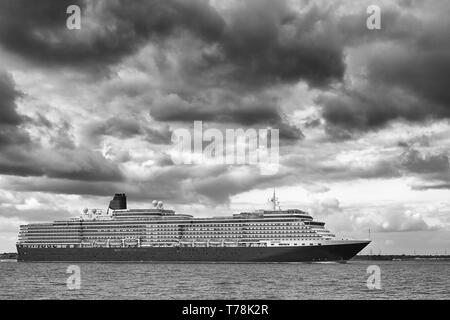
(275, 201)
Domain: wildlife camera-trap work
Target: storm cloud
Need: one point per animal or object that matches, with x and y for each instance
(10, 119)
(124, 127)
(404, 76)
(259, 42)
(227, 108)
(111, 29)
(22, 156)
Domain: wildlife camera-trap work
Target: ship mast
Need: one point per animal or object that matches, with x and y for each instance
(274, 201)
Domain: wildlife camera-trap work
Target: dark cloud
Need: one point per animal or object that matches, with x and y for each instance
(119, 126)
(404, 76)
(41, 121)
(398, 23)
(8, 96)
(219, 188)
(11, 135)
(164, 160)
(264, 44)
(161, 135)
(288, 132)
(248, 54)
(23, 157)
(312, 122)
(215, 184)
(420, 65)
(209, 184)
(10, 119)
(166, 183)
(428, 170)
(367, 108)
(431, 169)
(124, 127)
(268, 42)
(76, 164)
(227, 108)
(416, 162)
(431, 186)
(109, 31)
(258, 42)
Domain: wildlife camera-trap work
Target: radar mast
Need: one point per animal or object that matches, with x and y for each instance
(275, 202)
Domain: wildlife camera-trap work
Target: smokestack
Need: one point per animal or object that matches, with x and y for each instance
(118, 202)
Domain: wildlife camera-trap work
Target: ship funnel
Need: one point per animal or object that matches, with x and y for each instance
(118, 202)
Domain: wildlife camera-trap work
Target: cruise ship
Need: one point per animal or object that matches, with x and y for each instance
(161, 235)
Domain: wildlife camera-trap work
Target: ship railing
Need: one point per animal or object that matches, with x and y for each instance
(48, 245)
(111, 243)
(159, 244)
(126, 243)
(252, 244)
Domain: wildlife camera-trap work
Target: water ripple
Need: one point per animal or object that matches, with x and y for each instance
(399, 280)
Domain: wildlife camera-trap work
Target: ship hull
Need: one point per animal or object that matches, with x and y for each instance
(329, 252)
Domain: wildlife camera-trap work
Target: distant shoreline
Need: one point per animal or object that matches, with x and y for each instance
(8, 256)
(402, 257)
(388, 257)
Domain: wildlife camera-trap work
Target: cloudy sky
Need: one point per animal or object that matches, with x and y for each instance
(363, 114)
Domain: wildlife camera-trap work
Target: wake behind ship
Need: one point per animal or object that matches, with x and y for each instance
(160, 235)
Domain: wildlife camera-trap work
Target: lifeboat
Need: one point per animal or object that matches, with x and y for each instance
(229, 243)
(100, 243)
(115, 243)
(131, 242)
(86, 243)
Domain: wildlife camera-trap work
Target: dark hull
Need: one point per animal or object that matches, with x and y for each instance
(334, 252)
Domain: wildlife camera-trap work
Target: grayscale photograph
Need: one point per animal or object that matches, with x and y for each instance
(224, 150)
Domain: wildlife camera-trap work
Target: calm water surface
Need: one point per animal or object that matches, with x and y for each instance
(399, 280)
